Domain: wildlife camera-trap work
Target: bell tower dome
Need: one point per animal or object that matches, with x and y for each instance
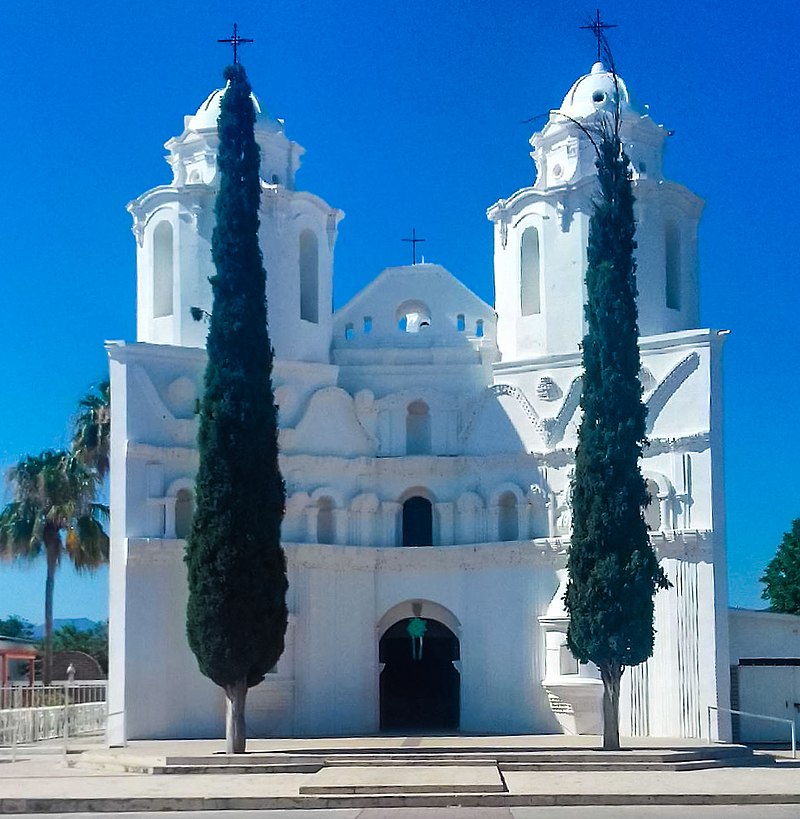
(541, 231)
(173, 226)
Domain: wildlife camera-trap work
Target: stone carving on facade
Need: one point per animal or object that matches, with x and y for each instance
(331, 228)
(547, 389)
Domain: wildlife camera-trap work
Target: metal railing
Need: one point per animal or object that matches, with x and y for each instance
(790, 722)
(43, 696)
(30, 714)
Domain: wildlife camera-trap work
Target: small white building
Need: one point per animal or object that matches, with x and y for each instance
(427, 443)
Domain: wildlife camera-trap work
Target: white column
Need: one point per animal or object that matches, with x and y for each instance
(444, 514)
(389, 523)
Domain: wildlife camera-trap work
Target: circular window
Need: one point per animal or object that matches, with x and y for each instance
(599, 97)
(557, 171)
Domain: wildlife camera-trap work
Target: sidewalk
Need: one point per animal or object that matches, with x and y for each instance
(39, 781)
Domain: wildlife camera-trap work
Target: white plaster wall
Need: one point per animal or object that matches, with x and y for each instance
(756, 634)
(166, 694)
(772, 690)
(678, 683)
(340, 596)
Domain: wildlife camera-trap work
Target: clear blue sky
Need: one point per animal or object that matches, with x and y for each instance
(411, 113)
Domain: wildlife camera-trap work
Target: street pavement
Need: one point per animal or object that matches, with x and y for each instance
(41, 781)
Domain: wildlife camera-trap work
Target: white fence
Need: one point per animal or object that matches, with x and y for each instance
(34, 713)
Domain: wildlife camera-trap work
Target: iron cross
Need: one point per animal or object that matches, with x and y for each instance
(235, 40)
(597, 27)
(413, 241)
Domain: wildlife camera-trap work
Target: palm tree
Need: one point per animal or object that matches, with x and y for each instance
(54, 512)
(91, 439)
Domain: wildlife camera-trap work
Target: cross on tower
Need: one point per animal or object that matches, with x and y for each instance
(413, 241)
(235, 40)
(597, 27)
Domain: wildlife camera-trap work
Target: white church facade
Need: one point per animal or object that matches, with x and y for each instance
(427, 441)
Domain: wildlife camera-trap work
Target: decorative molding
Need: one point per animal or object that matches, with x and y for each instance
(151, 550)
(153, 452)
(547, 389)
(699, 442)
(668, 386)
(528, 408)
(550, 430)
(331, 228)
(540, 552)
(556, 427)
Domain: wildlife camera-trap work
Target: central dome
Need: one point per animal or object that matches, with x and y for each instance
(208, 113)
(595, 91)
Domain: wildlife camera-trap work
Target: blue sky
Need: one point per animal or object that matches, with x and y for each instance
(411, 113)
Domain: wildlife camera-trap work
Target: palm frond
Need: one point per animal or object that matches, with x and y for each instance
(54, 498)
(87, 544)
(91, 438)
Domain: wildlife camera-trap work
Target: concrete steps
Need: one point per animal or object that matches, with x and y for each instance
(312, 761)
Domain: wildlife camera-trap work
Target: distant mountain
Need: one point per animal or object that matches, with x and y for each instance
(80, 623)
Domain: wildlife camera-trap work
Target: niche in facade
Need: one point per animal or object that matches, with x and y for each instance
(418, 429)
(530, 273)
(163, 270)
(326, 525)
(417, 522)
(507, 517)
(309, 277)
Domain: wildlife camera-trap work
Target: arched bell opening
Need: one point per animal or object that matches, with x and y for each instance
(420, 684)
(417, 522)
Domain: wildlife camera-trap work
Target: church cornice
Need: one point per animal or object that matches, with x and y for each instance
(693, 545)
(572, 196)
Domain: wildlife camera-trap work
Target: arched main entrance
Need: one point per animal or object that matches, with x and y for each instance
(420, 687)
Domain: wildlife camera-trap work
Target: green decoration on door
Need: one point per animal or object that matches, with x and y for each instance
(416, 629)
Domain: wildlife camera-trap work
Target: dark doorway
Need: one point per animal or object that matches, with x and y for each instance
(417, 522)
(420, 688)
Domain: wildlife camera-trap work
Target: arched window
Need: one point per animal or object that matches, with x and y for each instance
(184, 510)
(349, 332)
(417, 522)
(163, 275)
(479, 328)
(461, 323)
(529, 265)
(309, 277)
(418, 429)
(672, 244)
(652, 512)
(508, 517)
(326, 524)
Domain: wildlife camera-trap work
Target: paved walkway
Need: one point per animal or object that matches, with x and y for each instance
(40, 782)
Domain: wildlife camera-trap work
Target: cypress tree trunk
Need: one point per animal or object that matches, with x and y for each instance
(236, 615)
(611, 674)
(235, 734)
(613, 570)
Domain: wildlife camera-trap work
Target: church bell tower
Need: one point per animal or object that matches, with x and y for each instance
(541, 232)
(173, 226)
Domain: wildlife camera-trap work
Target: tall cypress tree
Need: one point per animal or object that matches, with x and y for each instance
(613, 570)
(236, 615)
